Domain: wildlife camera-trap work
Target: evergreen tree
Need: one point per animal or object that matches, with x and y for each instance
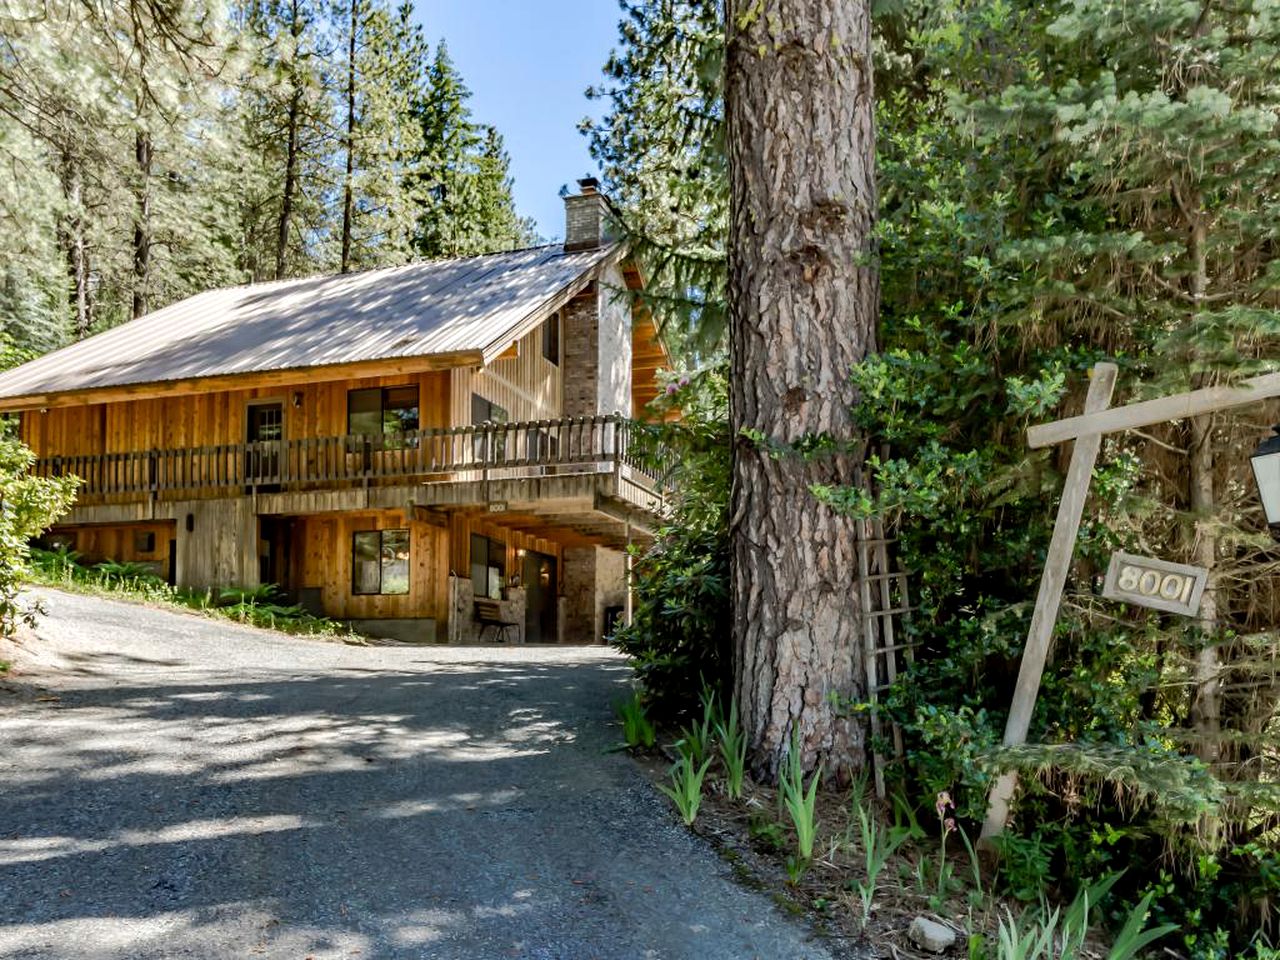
(383, 79)
(462, 176)
(287, 112)
(661, 149)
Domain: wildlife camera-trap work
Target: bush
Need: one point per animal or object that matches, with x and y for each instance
(28, 506)
(679, 639)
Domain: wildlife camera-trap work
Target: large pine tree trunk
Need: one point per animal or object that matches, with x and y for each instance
(803, 311)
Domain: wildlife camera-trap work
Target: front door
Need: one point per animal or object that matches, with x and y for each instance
(539, 578)
(264, 433)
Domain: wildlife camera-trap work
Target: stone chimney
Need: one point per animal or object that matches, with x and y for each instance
(586, 218)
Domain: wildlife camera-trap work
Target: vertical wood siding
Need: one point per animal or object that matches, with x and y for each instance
(527, 386)
(209, 419)
(322, 560)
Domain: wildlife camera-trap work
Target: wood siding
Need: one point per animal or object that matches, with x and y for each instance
(216, 418)
(463, 525)
(96, 543)
(526, 385)
(322, 547)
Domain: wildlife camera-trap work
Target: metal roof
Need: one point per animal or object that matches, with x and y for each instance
(469, 305)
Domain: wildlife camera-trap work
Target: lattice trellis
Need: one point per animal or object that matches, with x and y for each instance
(884, 604)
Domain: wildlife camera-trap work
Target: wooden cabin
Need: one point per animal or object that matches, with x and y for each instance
(427, 451)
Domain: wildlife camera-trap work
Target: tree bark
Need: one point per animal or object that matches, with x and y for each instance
(803, 301)
(74, 247)
(291, 151)
(348, 190)
(1207, 707)
(142, 225)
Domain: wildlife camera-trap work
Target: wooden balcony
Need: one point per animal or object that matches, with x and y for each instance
(459, 467)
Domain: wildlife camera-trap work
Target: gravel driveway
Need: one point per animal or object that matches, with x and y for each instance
(198, 789)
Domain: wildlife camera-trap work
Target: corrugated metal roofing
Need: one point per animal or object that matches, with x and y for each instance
(422, 309)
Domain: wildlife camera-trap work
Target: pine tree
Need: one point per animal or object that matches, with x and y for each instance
(803, 297)
(462, 176)
(287, 113)
(382, 81)
(661, 149)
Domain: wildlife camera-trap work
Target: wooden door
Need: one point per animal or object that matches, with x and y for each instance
(264, 433)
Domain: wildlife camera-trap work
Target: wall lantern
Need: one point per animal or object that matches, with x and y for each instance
(1266, 473)
(297, 398)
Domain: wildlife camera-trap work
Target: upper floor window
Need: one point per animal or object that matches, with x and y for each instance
(551, 338)
(486, 411)
(381, 410)
(380, 562)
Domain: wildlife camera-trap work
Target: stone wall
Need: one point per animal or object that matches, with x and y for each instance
(463, 627)
(580, 351)
(595, 578)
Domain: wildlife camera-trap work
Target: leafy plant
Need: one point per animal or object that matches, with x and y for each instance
(637, 730)
(878, 845)
(801, 805)
(678, 640)
(698, 737)
(126, 572)
(732, 740)
(766, 832)
(31, 505)
(686, 786)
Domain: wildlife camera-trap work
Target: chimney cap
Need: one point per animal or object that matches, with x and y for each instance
(589, 185)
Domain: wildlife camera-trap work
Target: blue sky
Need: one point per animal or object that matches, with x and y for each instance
(527, 63)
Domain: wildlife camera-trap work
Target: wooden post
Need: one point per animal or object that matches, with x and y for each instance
(1049, 599)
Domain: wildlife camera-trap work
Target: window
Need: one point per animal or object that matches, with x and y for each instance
(380, 562)
(485, 411)
(144, 541)
(488, 566)
(551, 339)
(382, 410)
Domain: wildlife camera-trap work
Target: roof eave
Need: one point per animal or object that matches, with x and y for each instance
(150, 390)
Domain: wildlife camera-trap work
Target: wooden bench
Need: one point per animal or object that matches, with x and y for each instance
(489, 614)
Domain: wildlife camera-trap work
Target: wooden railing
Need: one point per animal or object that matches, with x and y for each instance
(484, 451)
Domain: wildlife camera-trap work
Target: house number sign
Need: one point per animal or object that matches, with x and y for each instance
(1158, 584)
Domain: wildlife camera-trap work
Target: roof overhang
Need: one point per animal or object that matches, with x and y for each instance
(549, 306)
(241, 381)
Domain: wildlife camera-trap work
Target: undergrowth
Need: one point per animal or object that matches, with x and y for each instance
(260, 606)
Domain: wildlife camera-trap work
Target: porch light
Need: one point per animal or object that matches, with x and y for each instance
(1266, 473)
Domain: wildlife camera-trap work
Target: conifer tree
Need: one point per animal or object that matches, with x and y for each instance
(661, 149)
(462, 175)
(383, 78)
(287, 110)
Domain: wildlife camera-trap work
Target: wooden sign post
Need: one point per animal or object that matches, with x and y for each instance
(1087, 430)
(1057, 563)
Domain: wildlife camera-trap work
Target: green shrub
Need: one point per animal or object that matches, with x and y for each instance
(678, 640)
(30, 506)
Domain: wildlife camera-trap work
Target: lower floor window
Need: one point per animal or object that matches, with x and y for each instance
(380, 562)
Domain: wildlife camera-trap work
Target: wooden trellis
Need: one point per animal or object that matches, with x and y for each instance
(885, 604)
